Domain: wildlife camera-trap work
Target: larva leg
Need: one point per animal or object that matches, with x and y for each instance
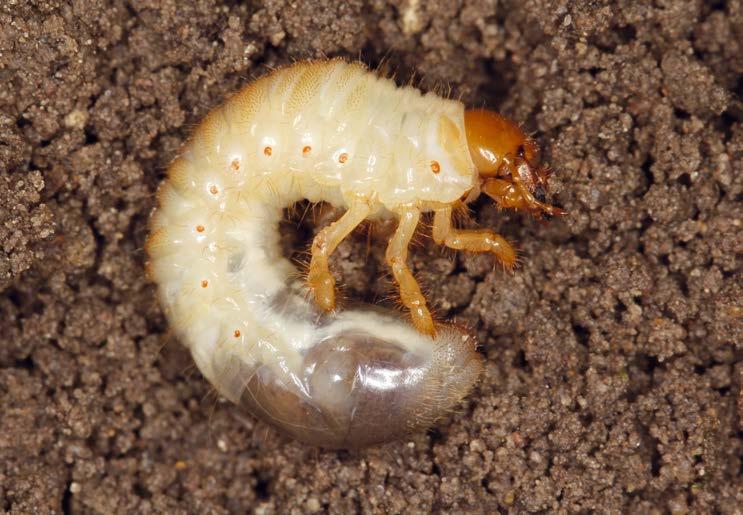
(473, 240)
(515, 195)
(533, 203)
(504, 193)
(319, 279)
(396, 257)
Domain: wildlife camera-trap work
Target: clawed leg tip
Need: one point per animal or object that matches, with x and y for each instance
(552, 211)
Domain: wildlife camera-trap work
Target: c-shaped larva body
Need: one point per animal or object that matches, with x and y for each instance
(335, 132)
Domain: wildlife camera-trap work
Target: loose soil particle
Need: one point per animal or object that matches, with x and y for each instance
(614, 371)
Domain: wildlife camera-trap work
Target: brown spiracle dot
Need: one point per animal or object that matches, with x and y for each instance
(213, 189)
(306, 151)
(435, 167)
(199, 228)
(235, 165)
(267, 151)
(343, 158)
(204, 283)
(237, 333)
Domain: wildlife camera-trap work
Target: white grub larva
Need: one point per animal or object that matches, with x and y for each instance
(329, 131)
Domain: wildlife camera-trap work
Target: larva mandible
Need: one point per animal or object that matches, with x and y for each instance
(336, 132)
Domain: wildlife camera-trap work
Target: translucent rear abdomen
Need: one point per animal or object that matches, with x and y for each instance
(357, 390)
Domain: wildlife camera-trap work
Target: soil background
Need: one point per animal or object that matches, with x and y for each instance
(614, 370)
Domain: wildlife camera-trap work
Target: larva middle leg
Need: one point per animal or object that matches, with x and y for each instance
(473, 240)
(319, 279)
(396, 257)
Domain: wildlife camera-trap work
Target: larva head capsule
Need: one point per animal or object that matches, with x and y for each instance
(508, 163)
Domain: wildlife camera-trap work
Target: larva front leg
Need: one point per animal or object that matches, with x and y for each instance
(512, 193)
(396, 257)
(319, 278)
(472, 240)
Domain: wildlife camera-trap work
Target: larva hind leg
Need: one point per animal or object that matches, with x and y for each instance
(471, 240)
(396, 257)
(319, 278)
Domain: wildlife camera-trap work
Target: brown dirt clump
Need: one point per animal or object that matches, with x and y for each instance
(614, 371)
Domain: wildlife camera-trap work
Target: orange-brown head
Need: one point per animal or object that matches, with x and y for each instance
(501, 150)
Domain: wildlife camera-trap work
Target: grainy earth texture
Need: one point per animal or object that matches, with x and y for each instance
(614, 370)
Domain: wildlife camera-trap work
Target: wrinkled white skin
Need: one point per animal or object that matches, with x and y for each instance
(237, 303)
